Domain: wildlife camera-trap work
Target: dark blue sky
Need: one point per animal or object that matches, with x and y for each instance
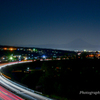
(37, 22)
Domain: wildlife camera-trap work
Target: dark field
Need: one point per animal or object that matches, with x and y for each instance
(58, 79)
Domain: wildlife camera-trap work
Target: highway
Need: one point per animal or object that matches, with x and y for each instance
(6, 95)
(17, 89)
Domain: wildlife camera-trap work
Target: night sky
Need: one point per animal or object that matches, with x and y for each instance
(52, 22)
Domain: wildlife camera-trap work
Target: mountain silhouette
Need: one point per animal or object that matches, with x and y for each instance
(80, 44)
(77, 44)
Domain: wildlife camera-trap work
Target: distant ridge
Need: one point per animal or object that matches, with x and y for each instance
(77, 44)
(80, 44)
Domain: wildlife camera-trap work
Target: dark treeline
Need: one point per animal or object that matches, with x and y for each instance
(64, 78)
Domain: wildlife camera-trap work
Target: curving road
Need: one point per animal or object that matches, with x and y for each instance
(5, 94)
(16, 88)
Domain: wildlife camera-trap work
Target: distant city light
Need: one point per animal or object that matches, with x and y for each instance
(79, 53)
(11, 49)
(5, 48)
(3, 58)
(44, 56)
(33, 49)
(84, 50)
(25, 58)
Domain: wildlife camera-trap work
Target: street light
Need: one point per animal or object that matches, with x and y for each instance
(84, 50)
(11, 58)
(28, 68)
(44, 56)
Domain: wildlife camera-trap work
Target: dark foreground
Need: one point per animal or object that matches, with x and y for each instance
(63, 80)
